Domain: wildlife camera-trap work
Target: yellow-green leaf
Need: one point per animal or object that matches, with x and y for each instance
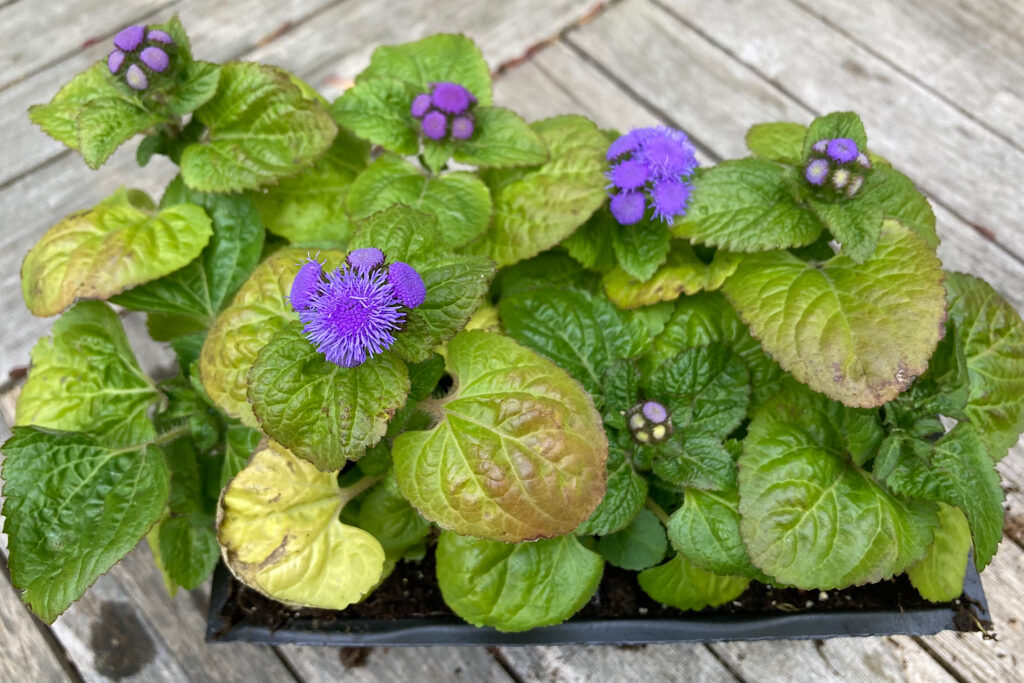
(682, 273)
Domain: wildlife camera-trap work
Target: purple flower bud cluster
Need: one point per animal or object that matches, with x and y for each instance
(650, 422)
(352, 313)
(650, 164)
(139, 53)
(445, 111)
(837, 165)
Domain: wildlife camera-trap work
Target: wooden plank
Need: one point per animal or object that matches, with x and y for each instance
(34, 37)
(25, 649)
(969, 55)
(380, 665)
(966, 167)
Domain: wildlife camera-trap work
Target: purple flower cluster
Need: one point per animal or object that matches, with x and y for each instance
(837, 165)
(650, 164)
(649, 422)
(144, 51)
(352, 313)
(445, 111)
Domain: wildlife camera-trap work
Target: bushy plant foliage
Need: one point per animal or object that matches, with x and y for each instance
(409, 321)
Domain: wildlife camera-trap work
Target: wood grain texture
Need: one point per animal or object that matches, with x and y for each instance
(413, 664)
(25, 648)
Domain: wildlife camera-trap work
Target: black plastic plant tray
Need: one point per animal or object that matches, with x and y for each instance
(686, 627)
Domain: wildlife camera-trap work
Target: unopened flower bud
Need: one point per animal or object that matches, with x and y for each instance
(366, 258)
(155, 58)
(115, 60)
(420, 105)
(816, 171)
(407, 283)
(649, 422)
(462, 128)
(435, 125)
(136, 78)
(129, 38)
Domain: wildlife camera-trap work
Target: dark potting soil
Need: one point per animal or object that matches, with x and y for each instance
(412, 592)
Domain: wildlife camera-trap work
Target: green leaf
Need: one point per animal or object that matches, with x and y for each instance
(116, 245)
(943, 389)
(320, 411)
(378, 110)
(516, 587)
(640, 545)
(460, 201)
(939, 575)
(624, 497)
(681, 584)
(240, 443)
(85, 378)
(440, 57)
(809, 517)
(549, 269)
(706, 529)
(582, 333)
(641, 248)
(697, 461)
(280, 533)
(956, 470)
(855, 223)
(500, 138)
(518, 451)
(838, 124)
(782, 142)
(257, 313)
(842, 327)
(747, 205)
(203, 287)
(899, 199)
(261, 128)
(74, 508)
(456, 285)
(198, 85)
(591, 244)
(993, 339)
(682, 273)
(545, 205)
(309, 207)
(423, 379)
(392, 521)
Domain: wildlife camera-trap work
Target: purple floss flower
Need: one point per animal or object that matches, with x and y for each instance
(155, 58)
(462, 127)
(365, 259)
(840, 178)
(434, 125)
(669, 198)
(817, 171)
(667, 152)
(129, 38)
(630, 174)
(821, 146)
(158, 36)
(628, 207)
(407, 283)
(305, 285)
(624, 144)
(136, 77)
(420, 105)
(863, 160)
(451, 98)
(843, 150)
(654, 411)
(352, 317)
(115, 60)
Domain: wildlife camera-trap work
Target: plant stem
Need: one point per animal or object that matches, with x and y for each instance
(658, 512)
(349, 492)
(170, 435)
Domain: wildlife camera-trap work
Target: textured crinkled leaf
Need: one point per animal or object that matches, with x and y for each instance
(440, 57)
(501, 138)
(624, 497)
(682, 273)
(320, 411)
(310, 206)
(837, 124)
(781, 141)
(956, 470)
(681, 584)
(100, 252)
(746, 205)
(640, 545)
(809, 517)
(939, 575)
(859, 333)
(279, 533)
(582, 333)
(545, 205)
(378, 110)
(203, 287)
(591, 244)
(621, 388)
(459, 201)
(518, 453)
(260, 128)
(74, 508)
(85, 378)
(257, 313)
(856, 224)
(550, 269)
(240, 443)
(695, 461)
(641, 248)
(993, 339)
(900, 199)
(706, 529)
(59, 118)
(198, 84)
(456, 285)
(392, 521)
(516, 587)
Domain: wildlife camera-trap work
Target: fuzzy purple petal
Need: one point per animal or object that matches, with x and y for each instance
(407, 283)
(462, 128)
(628, 207)
(136, 77)
(843, 150)
(155, 58)
(115, 60)
(817, 171)
(420, 105)
(821, 146)
(158, 36)
(624, 143)
(654, 411)
(366, 258)
(667, 152)
(630, 174)
(435, 125)
(451, 98)
(669, 199)
(129, 38)
(305, 285)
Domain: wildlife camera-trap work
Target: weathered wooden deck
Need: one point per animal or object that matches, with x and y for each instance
(939, 83)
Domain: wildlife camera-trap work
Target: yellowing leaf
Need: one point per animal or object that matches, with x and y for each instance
(682, 273)
(279, 532)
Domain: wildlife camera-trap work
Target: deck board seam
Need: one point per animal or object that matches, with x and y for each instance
(949, 666)
(726, 664)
